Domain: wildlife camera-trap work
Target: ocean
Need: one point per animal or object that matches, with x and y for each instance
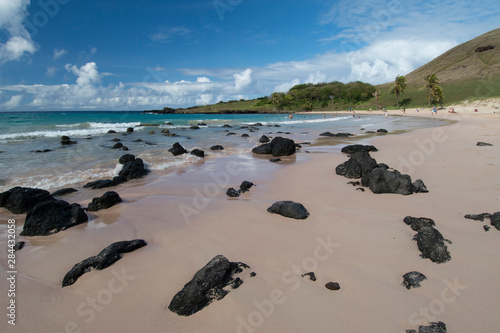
(31, 154)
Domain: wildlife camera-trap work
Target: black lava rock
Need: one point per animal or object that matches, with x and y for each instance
(104, 259)
(264, 139)
(130, 130)
(413, 279)
(208, 284)
(381, 180)
(495, 220)
(217, 147)
(274, 160)
(63, 191)
(246, 186)
(278, 147)
(66, 140)
(486, 227)
(483, 144)
(351, 149)
(245, 135)
(194, 127)
(418, 186)
(126, 158)
(430, 242)
(177, 149)
(289, 209)
(107, 200)
(50, 217)
(19, 246)
(98, 184)
(336, 135)
(382, 130)
(360, 164)
(20, 200)
(478, 217)
(133, 169)
(117, 145)
(311, 276)
(232, 193)
(332, 286)
(198, 152)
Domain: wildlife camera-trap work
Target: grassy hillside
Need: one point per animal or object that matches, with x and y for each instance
(470, 71)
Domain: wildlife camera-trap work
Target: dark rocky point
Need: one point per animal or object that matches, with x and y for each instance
(332, 286)
(207, 285)
(63, 191)
(50, 217)
(20, 200)
(107, 200)
(413, 279)
(360, 164)
(217, 147)
(289, 209)
(418, 186)
(198, 152)
(104, 259)
(382, 130)
(483, 144)
(351, 149)
(245, 135)
(130, 130)
(177, 149)
(417, 222)
(126, 158)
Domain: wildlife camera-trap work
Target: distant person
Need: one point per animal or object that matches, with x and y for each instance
(475, 110)
(385, 114)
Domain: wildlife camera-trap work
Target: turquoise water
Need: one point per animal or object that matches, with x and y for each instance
(22, 134)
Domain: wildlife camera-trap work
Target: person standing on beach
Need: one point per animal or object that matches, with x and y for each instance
(385, 114)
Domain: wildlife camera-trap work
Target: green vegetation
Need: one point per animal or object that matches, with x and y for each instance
(433, 89)
(399, 87)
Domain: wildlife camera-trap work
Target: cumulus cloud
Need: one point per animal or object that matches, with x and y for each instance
(242, 80)
(284, 87)
(87, 74)
(19, 42)
(316, 77)
(13, 102)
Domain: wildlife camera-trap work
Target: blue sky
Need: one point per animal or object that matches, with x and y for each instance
(136, 55)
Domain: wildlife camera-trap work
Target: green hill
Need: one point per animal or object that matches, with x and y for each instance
(470, 71)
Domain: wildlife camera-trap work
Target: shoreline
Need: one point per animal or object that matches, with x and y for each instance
(371, 248)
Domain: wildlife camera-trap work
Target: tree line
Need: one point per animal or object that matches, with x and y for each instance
(434, 91)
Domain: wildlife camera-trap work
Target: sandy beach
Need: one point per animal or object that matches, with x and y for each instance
(355, 238)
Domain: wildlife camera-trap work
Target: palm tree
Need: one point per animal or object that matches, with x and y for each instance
(434, 90)
(399, 87)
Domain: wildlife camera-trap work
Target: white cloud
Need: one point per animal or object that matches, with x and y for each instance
(19, 42)
(242, 80)
(316, 78)
(58, 53)
(284, 87)
(203, 79)
(87, 74)
(14, 101)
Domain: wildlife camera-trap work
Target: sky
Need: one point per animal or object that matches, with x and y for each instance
(149, 54)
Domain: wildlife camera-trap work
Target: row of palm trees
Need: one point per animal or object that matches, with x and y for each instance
(434, 90)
